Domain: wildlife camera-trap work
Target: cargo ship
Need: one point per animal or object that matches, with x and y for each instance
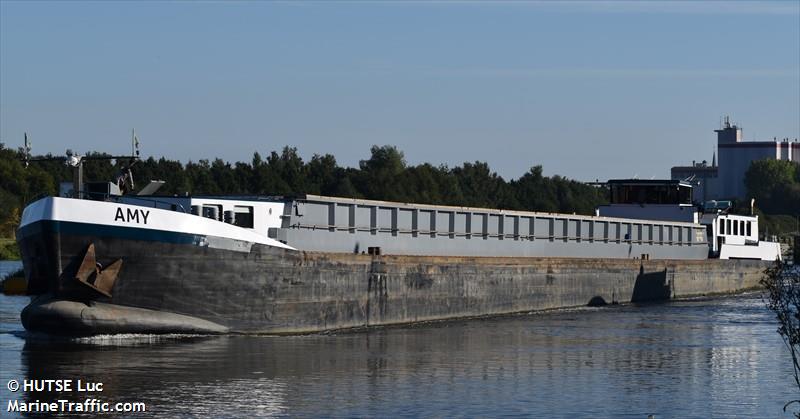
(104, 262)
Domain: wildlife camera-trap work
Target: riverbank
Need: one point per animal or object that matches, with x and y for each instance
(12, 278)
(9, 249)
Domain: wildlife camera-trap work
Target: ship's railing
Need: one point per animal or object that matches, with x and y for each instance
(96, 196)
(103, 196)
(524, 237)
(390, 219)
(37, 197)
(174, 206)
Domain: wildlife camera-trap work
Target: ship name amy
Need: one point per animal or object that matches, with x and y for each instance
(132, 215)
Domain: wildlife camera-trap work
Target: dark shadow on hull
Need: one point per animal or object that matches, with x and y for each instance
(651, 286)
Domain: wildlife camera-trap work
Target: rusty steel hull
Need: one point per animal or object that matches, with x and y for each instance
(171, 286)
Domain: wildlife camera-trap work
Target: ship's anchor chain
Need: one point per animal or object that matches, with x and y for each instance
(93, 275)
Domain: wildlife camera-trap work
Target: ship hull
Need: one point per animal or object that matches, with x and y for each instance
(170, 284)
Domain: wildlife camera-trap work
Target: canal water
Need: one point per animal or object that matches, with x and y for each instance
(698, 358)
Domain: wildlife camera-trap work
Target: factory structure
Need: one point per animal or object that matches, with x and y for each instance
(724, 178)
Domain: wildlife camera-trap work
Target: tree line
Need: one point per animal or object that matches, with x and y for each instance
(385, 175)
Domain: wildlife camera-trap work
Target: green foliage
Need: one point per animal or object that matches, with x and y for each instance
(782, 285)
(778, 225)
(18, 185)
(775, 185)
(382, 175)
(9, 250)
(385, 175)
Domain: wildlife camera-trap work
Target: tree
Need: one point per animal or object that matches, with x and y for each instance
(224, 178)
(290, 169)
(535, 192)
(382, 173)
(775, 185)
(200, 179)
(322, 175)
(782, 284)
(479, 185)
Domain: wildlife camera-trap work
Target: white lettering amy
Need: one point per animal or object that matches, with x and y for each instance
(132, 215)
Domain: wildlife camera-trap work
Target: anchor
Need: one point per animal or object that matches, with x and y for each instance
(94, 275)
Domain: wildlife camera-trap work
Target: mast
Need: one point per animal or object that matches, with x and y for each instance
(76, 161)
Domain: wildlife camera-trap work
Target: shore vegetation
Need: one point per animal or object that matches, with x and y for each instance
(782, 294)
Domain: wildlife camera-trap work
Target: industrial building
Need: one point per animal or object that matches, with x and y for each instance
(724, 178)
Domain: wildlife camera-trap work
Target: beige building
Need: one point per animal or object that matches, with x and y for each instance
(724, 178)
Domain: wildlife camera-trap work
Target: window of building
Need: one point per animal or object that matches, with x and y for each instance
(243, 216)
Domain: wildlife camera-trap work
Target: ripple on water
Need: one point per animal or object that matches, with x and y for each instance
(698, 358)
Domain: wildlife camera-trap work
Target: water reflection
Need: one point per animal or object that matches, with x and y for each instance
(191, 376)
(687, 359)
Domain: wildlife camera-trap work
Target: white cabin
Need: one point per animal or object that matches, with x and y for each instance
(253, 213)
(736, 237)
(729, 236)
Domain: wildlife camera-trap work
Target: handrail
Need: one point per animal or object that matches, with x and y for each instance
(37, 197)
(108, 197)
(157, 201)
(520, 237)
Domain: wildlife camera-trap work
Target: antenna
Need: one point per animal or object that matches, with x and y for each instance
(27, 150)
(134, 144)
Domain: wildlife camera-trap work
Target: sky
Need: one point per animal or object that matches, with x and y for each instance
(589, 90)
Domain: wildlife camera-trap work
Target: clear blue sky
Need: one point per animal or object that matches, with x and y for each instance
(587, 89)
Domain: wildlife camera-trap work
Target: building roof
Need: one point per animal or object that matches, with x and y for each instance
(750, 144)
(674, 182)
(695, 168)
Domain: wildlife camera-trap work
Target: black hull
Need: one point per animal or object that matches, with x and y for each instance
(272, 290)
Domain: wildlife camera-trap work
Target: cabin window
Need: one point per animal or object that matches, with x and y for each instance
(721, 227)
(650, 193)
(243, 216)
(741, 227)
(735, 228)
(728, 227)
(749, 231)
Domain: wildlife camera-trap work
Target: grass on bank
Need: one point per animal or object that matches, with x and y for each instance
(9, 249)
